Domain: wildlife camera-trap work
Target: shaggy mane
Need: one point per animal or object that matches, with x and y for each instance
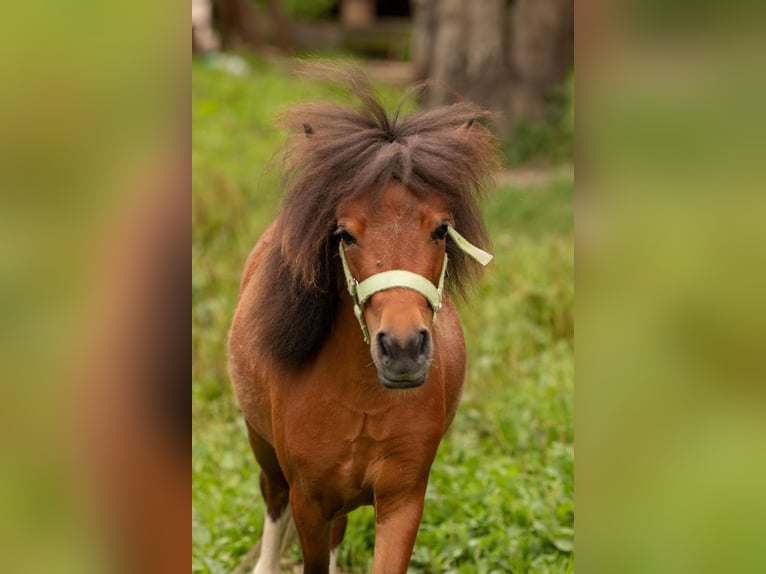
(335, 153)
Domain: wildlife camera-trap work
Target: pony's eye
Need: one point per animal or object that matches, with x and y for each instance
(440, 232)
(347, 238)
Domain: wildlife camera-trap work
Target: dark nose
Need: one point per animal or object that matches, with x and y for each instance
(404, 360)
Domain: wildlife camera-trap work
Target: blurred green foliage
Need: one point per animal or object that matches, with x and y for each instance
(672, 318)
(550, 142)
(304, 8)
(501, 494)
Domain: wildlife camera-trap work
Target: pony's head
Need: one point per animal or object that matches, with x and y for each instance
(383, 235)
(376, 200)
(394, 258)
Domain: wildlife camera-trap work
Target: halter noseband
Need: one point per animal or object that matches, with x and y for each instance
(399, 278)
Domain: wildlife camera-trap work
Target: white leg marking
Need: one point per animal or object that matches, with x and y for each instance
(334, 561)
(271, 540)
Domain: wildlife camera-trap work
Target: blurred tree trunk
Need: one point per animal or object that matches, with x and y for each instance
(446, 64)
(506, 56)
(357, 13)
(424, 32)
(281, 25)
(542, 53)
(237, 23)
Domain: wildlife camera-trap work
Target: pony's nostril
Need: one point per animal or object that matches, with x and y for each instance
(384, 347)
(402, 357)
(424, 343)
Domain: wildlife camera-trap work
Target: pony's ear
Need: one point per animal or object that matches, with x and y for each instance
(308, 130)
(466, 125)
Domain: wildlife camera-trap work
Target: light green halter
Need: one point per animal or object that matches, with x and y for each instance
(399, 278)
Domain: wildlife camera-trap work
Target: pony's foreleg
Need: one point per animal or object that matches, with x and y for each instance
(276, 493)
(396, 527)
(314, 532)
(338, 530)
(271, 543)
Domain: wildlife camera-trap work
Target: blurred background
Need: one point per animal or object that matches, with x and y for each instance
(671, 324)
(514, 58)
(501, 495)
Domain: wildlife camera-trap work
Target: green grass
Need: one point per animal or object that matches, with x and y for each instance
(501, 494)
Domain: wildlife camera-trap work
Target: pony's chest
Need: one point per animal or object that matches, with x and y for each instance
(354, 448)
(348, 454)
(358, 460)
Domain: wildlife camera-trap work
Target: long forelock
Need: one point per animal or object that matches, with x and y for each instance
(346, 152)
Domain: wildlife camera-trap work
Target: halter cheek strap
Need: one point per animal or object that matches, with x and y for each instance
(399, 278)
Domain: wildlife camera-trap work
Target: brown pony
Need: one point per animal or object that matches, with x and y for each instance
(335, 421)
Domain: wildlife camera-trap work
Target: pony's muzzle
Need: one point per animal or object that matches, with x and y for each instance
(403, 362)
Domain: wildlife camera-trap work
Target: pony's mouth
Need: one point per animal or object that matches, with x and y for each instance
(402, 382)
(402, 363)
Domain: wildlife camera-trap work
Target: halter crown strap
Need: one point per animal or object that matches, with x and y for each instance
(399, 278)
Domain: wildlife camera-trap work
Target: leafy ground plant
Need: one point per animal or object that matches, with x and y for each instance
(501, 493)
